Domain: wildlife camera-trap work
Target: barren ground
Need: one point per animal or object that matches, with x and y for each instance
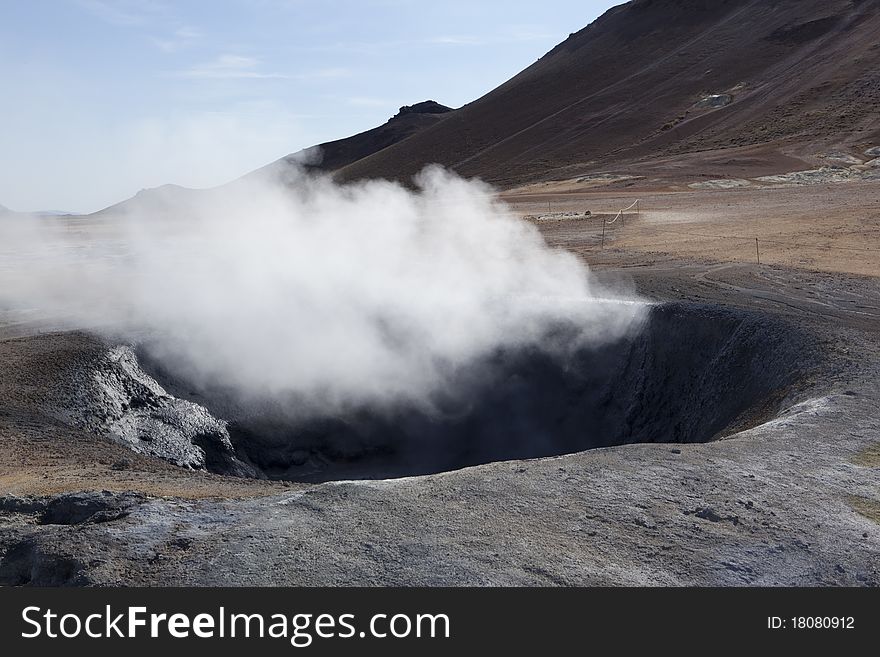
(815, 228)
(792, 501)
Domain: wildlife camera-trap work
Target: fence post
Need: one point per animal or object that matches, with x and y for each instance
(757, 251)
(603, 232)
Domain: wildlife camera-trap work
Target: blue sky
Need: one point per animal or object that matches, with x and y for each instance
(101, 98)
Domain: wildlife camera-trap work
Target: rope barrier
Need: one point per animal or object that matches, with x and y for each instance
(620, 214)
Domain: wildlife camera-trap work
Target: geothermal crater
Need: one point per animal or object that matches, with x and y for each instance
(691, 374)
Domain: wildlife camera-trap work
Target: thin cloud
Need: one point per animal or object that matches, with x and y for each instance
(324, 74)
(529, 33)
(124, 12)
(366, 101)
(515, 35)
(360, 47)
(180, 39)
(511, 36)
(229, 67)
(457, 40)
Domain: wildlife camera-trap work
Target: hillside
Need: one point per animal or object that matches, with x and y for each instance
(772, 82)
(410, 120)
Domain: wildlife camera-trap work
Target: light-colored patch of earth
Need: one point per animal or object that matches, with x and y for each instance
(868, 508)
(869, 457)
(840, 157)
(822, 176)
(579, 183)
(714, 101)
(721, 183)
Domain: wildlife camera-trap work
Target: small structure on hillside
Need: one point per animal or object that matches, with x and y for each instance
(714, 101)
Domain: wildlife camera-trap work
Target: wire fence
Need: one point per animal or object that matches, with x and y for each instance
(605, 231)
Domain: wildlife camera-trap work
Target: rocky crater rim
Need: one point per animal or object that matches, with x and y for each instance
(691, 374)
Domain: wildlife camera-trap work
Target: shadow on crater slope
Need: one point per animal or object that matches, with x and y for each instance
(692, 374)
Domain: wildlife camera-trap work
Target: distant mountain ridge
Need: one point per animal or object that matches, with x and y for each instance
(41, 213)
(327, 157)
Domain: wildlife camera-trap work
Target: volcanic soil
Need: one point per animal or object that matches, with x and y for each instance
(790, 497)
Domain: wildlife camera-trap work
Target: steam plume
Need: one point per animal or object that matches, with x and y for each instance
(295, 287)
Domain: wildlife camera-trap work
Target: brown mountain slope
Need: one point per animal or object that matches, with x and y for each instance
(792, 76)
(410, 120)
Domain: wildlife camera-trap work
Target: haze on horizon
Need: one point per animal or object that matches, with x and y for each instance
(107, 97)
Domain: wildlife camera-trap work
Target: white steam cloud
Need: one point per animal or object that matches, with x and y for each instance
(333, 296)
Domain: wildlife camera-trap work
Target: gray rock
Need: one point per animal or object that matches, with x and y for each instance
(110, 394)
(79, 508)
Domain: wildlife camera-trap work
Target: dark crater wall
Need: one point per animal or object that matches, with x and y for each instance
(692, 374)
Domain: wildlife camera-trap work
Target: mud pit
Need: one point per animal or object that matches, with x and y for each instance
(781, 504)
(691, 374)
